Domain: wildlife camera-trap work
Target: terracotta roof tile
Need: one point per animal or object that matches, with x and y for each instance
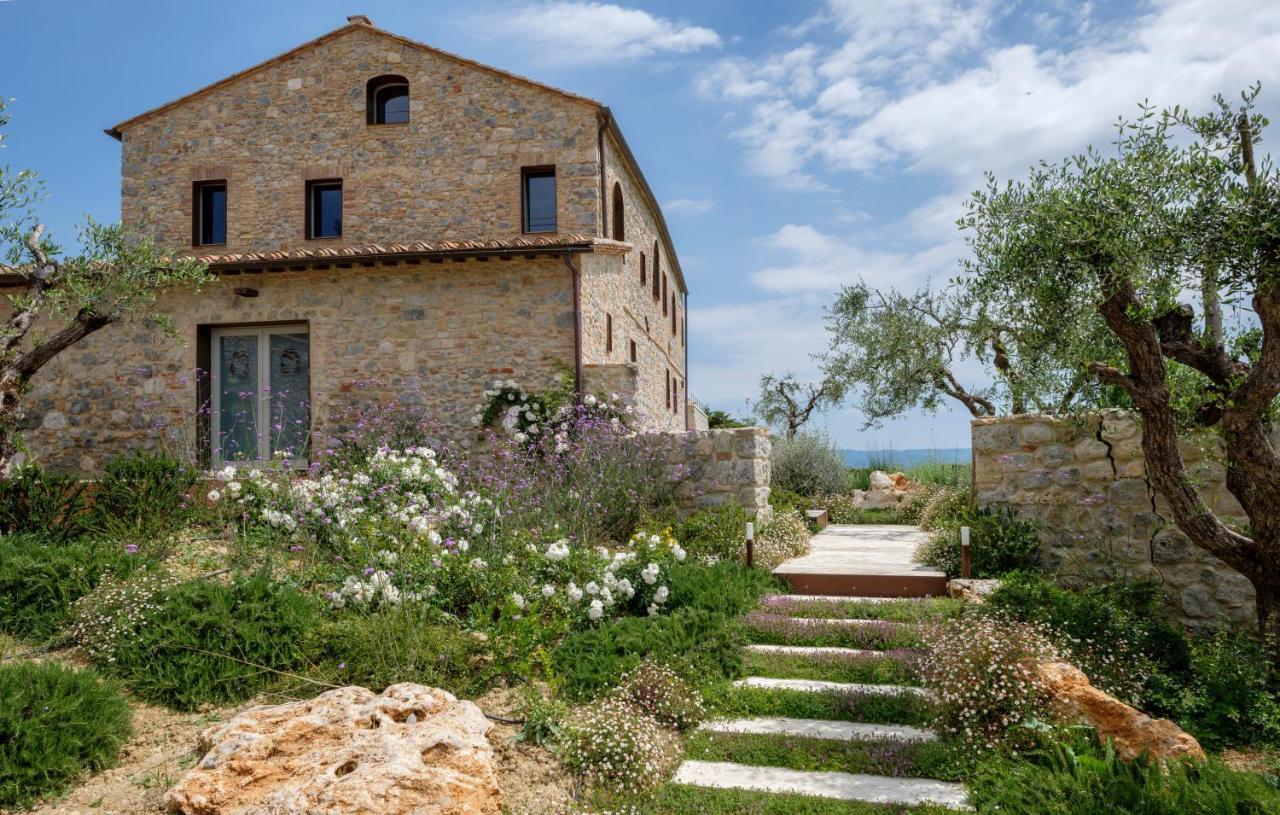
(539, 243)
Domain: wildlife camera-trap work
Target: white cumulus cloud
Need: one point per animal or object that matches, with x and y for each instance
(580, 33)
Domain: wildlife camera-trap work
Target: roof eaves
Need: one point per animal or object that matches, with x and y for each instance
(117, 131)
(611, 125)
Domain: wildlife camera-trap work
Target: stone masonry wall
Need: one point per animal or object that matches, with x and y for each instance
(1085, 482)
(729, 466)
(432, 335)
(451, 172)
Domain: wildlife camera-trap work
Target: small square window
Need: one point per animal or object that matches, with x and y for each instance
(324, 209)
(539, 199)
(210, 213)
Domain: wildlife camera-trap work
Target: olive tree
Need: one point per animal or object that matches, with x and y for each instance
(788, 403)
(1183, 209)
(56, 300)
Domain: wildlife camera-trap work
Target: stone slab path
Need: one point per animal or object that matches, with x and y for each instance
(861, 563)
(820, 729)
(875, 789)
(864, 559)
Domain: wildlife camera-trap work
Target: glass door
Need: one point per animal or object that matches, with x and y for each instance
(261, 393)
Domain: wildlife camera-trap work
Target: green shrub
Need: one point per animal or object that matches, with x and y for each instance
(1081, 778)
(143, 495)
(715, 533)
(399, 644)
(700, 646)
(616, 747)
(215, 643)
(1116, 633)
(40, 578)
(1232, 696)
(726, 588)
(946, 507)
(912, 507)
(859, 478)
(35, 501)
(982, 671)
(808, 464)
(107, 616)
(782, 499)
(1000, 542)
(783, 538)
(55, 723)
(664, 695)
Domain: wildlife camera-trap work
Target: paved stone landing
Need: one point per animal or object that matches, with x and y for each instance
(864, 559)
(812, 651)
(844, 786)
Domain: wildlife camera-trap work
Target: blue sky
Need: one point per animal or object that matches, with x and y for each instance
(796, 146)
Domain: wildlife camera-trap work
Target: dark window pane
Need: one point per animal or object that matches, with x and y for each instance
(391, 105)
(213, 213)
(540, 202)
(326, 211)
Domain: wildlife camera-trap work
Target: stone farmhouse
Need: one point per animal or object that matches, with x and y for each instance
(384, 220)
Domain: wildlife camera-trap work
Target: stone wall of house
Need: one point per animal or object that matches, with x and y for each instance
(428, 335)
(1084, 481)
(452, 172)
(721, 467)
(609, 301)
(615, 295)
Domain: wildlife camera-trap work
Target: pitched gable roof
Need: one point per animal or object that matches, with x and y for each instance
(355, 23)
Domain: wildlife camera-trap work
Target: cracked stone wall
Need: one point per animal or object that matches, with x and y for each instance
(1083, 479)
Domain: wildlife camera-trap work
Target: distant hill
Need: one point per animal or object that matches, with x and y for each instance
(905, 458)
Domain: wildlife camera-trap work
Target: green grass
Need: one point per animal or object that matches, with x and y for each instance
(675, 799)
(726, 701)
(877, 670)
(903, 611)
(899, 759)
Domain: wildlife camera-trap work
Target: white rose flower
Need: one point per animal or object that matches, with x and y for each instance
(596, 611)
(518, 599)
(575, 593)
(548, 590)
(592, 588)
(660, 596)
(213, 496)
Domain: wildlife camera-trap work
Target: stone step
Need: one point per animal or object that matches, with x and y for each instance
(813, 651)
(821, 686)
(826, 598)
(874, 789)
(888, 586)
(819, 729)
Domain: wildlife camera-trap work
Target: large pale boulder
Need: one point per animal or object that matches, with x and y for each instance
(1133, 732)
(885, 493)
(411, 749)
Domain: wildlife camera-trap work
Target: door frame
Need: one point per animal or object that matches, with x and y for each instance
(262, 418)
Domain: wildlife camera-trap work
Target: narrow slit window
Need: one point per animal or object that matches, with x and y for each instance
(668, 381)
(539, 199)
(657, 269)
(210, 213)
(634, 353)
(643, 278)
(324, 209)
(664, 295)
(608, 333)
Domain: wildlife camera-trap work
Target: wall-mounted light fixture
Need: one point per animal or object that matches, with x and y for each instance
(245, 291)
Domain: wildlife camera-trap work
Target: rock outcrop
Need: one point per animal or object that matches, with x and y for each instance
(1133, 732)
(411, 749)
(885, 493)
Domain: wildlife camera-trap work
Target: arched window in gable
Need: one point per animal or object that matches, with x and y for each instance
(619, 219)
(387, 100)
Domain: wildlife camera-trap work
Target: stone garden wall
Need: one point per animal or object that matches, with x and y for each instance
(722, 467)
(1084, 480)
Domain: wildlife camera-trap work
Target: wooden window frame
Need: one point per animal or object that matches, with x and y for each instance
(540, 170)
(197, 209)
(311, 187)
